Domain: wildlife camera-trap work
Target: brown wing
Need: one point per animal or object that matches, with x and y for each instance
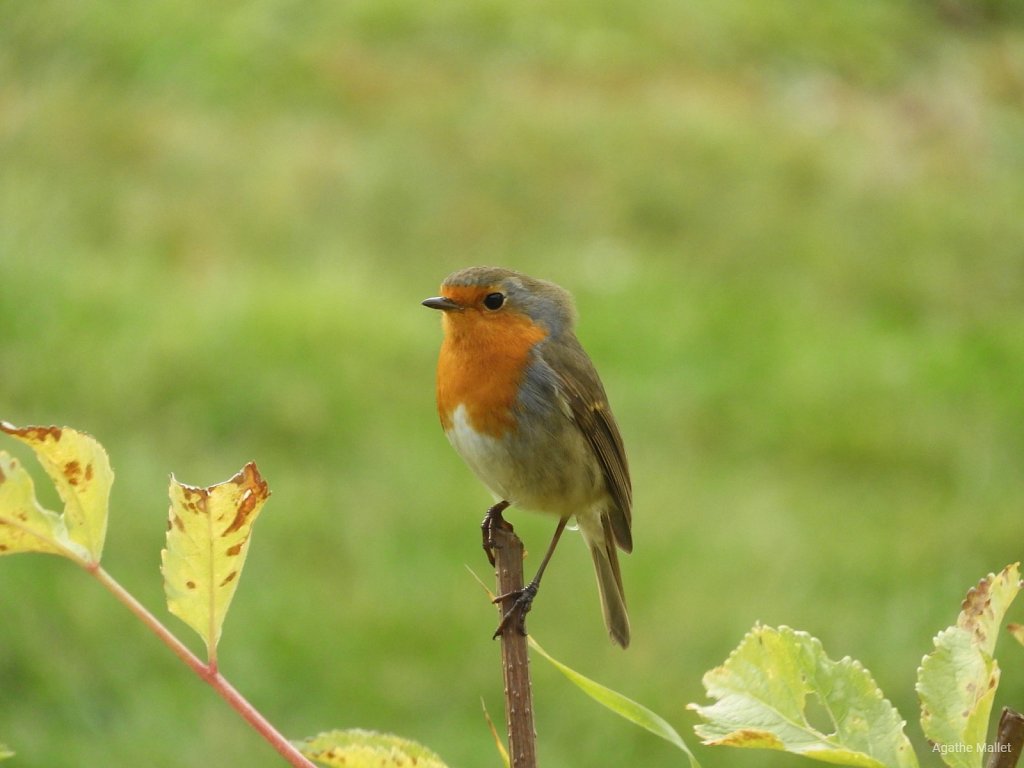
(589, 405)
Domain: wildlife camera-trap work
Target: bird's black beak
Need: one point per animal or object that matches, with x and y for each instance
(441, 302)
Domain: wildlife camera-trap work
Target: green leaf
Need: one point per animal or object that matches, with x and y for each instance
(957, 681)
(956, 685)
(5, 752)
(778, 690)
(357, 748)
(80, 470)
(619, 704)
(25, 526)
(207, 541)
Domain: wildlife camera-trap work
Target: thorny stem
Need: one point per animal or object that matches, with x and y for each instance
(515, 661)
(207, 672)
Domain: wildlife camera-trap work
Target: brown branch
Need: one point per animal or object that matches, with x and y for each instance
(1009, 740)
(515, 663)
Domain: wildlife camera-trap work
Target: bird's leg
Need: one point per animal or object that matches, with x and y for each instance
(491, 519)
(522, 599)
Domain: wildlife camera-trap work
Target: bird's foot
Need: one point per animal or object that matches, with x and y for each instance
(493, 521)
(522, 601)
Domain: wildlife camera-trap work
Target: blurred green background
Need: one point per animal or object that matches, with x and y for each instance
(795, 234)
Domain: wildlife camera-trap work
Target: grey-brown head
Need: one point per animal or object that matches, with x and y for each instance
(493, 289)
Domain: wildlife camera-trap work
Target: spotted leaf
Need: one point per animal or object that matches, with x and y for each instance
(80, 470)
(25, 526)
(207, 541)
(957, 681)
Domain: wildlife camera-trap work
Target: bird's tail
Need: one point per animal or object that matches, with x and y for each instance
(609, 581)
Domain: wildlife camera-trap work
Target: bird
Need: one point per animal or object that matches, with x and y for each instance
(521, 402)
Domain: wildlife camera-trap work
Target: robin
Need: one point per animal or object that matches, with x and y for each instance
(521, 402)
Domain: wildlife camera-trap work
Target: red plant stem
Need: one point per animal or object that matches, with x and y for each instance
(207, 672)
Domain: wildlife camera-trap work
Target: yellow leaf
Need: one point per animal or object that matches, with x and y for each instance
(25, 526)
(986, 604)
(207, 540)
(498, 744)
(80, 470)
(957, 681)
(357, 748)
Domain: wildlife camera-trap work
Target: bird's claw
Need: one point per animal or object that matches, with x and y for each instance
(493, 521)
(522, 601)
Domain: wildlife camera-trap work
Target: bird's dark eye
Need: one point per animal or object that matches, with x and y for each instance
(494, 300)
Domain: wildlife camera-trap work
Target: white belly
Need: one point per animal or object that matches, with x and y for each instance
(487, 456)
(529, 473)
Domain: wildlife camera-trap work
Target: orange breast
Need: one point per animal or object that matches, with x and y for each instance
(481, 366)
